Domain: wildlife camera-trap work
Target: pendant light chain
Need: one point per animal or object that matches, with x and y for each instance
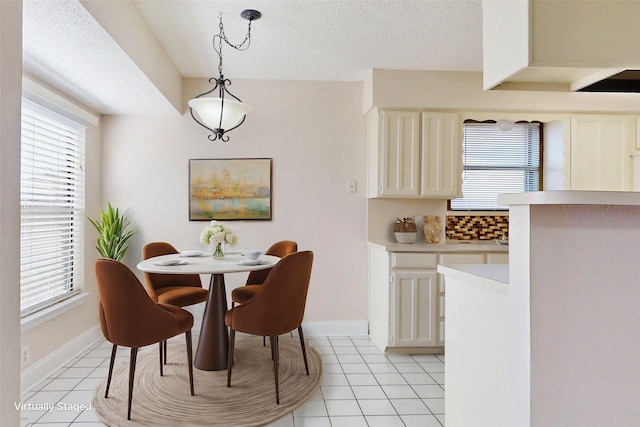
(244, 45)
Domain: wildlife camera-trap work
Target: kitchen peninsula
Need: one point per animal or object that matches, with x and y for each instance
(406, 294)
(552, 339)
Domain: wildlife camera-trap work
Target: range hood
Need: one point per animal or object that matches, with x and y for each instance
(569, 46)
(625, 81)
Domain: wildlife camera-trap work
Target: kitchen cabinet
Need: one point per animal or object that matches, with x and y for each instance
(498, 258)
(413, 291)
(407, 295)
(414, 154)
(601, 147)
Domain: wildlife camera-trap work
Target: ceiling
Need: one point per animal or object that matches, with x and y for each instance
(69, 46)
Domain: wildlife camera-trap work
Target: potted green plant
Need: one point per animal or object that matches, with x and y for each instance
(112, 233)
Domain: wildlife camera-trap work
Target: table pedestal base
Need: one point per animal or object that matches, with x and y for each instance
(213, 344)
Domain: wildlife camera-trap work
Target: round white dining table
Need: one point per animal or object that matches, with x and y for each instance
(213, 343)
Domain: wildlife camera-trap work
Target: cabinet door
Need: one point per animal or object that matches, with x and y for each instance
(399, 151)
(441, 158)
(414, 318)
(601, 146)
(498, 258)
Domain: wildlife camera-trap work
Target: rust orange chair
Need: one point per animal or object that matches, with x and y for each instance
(129, 318)
(180, 290)
(256, 278)
(277, 309)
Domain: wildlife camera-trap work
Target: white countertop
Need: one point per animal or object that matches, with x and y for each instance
(566, 197)
(490, 276)
(448, 246)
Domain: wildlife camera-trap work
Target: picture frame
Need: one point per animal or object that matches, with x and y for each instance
(230, 189)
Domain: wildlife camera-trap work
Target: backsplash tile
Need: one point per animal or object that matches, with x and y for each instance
(477, 227)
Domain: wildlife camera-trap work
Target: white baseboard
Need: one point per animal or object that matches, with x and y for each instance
(33, 375)
(332, 328)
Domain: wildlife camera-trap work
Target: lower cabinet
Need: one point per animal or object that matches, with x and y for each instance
(414, 308)
(406, 295)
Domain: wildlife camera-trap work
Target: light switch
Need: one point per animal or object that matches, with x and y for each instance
(352, 186)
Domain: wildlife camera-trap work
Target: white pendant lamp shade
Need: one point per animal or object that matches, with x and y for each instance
(209, 110)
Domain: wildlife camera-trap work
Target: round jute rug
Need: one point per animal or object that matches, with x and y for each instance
(251, 400)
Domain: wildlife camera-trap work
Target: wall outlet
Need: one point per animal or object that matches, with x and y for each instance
(24, 355)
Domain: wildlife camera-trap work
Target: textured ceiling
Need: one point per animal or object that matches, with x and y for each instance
(325, 40)
(321, 40)
(66, 48)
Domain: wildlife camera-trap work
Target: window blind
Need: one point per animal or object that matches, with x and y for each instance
(51, 208)
(497, 162)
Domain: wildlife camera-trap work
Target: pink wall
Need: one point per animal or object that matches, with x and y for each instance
(584, 315)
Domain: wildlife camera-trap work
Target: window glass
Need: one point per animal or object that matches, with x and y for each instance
(498, 161)
(51, 208)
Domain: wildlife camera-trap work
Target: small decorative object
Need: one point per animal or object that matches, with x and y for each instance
(112, 233)
(405, 230)
(432, 229)
(215, 234)
(436, 232)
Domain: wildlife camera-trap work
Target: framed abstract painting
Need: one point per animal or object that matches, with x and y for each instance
(230, 189)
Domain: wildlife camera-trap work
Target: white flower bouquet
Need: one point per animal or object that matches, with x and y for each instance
(215, 234)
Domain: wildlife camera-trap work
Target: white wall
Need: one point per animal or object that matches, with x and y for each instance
(477, 387)
(457, 90)
(383, 212)
(10, 78)
(315, 134)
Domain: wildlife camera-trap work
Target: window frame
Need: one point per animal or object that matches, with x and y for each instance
(540, 168)
(35, 111)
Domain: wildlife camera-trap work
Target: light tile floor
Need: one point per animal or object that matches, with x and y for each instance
(361, 386)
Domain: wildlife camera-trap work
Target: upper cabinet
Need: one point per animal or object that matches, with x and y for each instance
(414, 154)
(394, 153)
(601, 147)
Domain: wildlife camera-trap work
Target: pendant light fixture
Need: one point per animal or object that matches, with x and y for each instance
(225, 112)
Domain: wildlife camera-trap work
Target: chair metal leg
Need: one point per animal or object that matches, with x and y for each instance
(160, 352)
(190, 359)
(275, 350)
(165, 352)
(132, 373)
(272, 348)
(304, 350)
(113, 359)
(232, 342)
